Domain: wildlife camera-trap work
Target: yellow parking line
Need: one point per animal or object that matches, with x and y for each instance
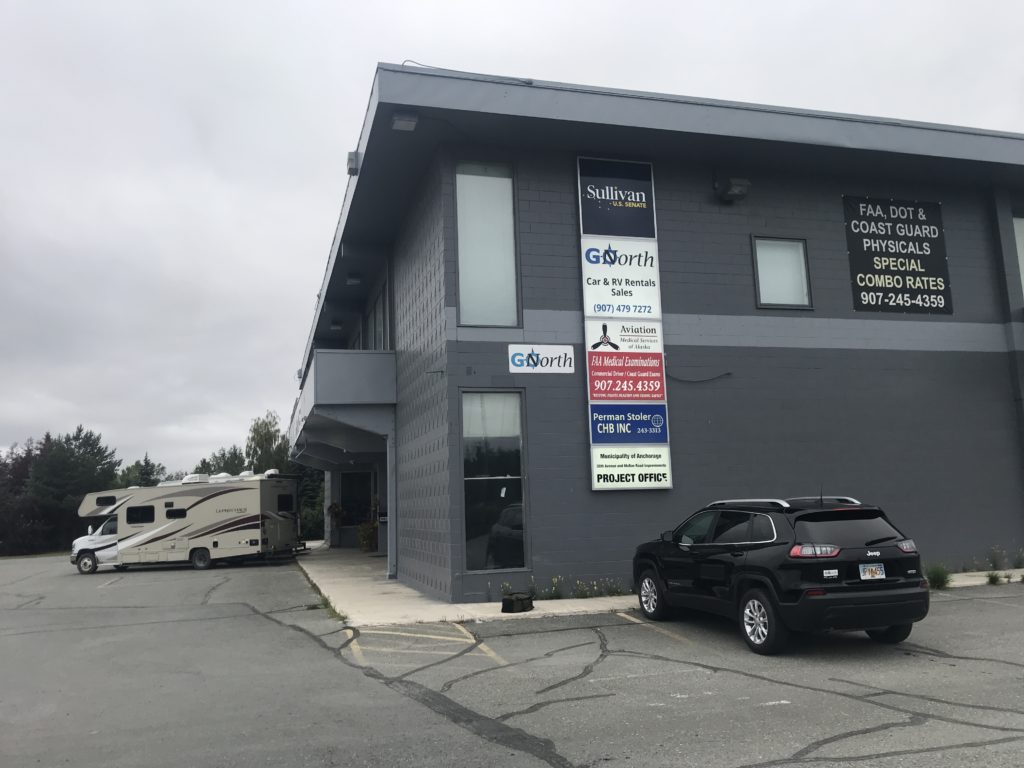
(483, 647)
(655, 627)
(357, 653)
(449, 638)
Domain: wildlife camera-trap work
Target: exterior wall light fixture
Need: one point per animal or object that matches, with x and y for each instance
(404, 121)
(731, 188)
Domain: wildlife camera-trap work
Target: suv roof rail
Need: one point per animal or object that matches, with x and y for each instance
(771, 502)
(828, 497)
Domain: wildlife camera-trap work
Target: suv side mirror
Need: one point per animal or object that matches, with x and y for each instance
(89, 531)
(666, 536)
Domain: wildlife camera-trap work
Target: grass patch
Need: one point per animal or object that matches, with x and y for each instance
(938, 576)
(993, 577)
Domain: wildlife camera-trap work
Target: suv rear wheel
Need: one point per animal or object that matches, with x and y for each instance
(652, 599)
(897, 633)
(762, 629)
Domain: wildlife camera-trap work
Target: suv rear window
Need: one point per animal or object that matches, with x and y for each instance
(853, 528)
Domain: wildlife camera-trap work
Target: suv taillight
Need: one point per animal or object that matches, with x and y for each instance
(907, 545)
(814, 550)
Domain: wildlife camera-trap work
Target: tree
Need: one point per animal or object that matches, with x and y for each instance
(144, 473)
(230, 460)
(63, 469)
(266, 447)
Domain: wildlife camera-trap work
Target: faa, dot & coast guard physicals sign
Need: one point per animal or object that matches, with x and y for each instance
(541, 358)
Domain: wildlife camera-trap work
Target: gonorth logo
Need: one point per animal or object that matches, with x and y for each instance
(617, 196)
(873, 553)
(618, 258)
(540, 359)
(605, 340)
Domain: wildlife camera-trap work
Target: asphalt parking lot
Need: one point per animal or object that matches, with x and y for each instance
(243, 666)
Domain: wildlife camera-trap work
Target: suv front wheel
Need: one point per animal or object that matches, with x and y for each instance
(762, 629)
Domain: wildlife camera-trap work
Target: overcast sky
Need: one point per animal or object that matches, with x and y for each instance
(171, 172)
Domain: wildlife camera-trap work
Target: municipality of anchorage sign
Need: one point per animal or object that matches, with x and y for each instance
(626, 397)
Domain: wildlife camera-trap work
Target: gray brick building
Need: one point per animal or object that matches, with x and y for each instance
(789, 366)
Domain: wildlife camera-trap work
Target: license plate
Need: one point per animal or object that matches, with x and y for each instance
(869, 571)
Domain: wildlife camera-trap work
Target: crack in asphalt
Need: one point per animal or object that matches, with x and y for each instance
(488, 728)
(449, 683)
(921, 697)
(912, 648)
(211, 590)
(587, 669)
(541, 704)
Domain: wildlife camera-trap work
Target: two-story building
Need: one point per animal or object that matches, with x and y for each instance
(556, 319)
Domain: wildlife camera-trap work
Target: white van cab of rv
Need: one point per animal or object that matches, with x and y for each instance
(199, 520)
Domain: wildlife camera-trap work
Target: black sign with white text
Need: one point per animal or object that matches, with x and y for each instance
(616, 198)
(897, 256)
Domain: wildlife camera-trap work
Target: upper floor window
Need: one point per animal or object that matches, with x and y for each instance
(487, 251)
(780, 269)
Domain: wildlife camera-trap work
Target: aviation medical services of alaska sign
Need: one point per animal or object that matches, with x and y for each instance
(627, 403)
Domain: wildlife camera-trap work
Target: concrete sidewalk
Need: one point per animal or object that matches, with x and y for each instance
(356, 585)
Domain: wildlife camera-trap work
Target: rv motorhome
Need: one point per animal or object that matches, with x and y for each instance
(200, 520)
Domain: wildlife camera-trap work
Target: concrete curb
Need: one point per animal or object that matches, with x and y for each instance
(356, 586)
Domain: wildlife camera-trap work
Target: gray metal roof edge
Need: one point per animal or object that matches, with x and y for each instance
(350, 188)
(790, 124)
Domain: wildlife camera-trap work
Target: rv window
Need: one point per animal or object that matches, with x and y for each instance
(168, 504)
(176, 514)
(105, 501)
(285, 503)
(139, 515)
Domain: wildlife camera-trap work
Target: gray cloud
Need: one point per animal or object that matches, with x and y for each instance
(171, 172)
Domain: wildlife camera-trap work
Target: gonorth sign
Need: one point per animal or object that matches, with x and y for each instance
(620, 277)
(541, 358)
(897, 254)
(619, 265)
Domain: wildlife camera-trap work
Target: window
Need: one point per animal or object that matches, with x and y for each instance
(139, 515)
(492, 468)
(1018, 230)
(732, 527)
(487, 253)
(176, 514)
(696, 529)
(285, 502)
(763, 530)
(106, 501)
(109, 528)
(780, 271)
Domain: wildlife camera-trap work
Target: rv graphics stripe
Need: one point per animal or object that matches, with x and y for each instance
(167, 535)
(214, 495)
(223, 527)
(102, 511)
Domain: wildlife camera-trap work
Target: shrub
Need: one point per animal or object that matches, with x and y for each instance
(993, 577)
(1018, 559)
(368, 536)
(937, 575)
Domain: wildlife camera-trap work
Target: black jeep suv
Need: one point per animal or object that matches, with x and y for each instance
(802, 564)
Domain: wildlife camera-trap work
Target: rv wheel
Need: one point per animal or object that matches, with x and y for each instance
(201, 559)
(86, 563)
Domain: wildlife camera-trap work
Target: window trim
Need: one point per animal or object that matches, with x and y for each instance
(757, 277)
(524, 483)
(516, 239)
(714, 524)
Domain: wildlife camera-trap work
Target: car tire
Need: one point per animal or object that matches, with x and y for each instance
(200, 559)
(86, 562)
(762, 628)
(897, 633)
(652, 596)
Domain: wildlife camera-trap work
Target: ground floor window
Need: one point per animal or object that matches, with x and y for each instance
(492, 468)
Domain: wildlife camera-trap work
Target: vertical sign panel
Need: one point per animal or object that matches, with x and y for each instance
(626, 397)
